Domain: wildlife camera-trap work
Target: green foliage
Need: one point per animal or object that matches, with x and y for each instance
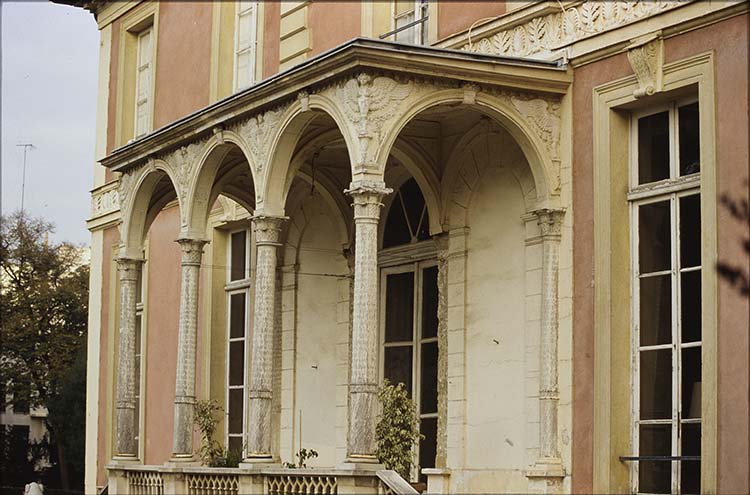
(302, 456)
(397, 430)
(205, 419)
(44, 314)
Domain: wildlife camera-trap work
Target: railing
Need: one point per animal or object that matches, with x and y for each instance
(133, 479)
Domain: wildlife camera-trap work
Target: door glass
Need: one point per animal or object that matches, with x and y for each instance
(399, 303)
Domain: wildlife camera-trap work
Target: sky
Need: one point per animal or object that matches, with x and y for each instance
(49, 83)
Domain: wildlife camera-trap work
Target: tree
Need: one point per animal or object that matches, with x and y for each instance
(43, 309)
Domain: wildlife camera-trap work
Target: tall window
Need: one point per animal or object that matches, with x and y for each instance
(238, 294)
(410, 321)
(139, 344)
(143, 85)
(410, 21)
(245, 34)
(666, 232)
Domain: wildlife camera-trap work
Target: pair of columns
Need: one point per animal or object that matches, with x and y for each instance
(364, 346)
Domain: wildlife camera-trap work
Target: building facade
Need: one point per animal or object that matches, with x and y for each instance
(516, 209)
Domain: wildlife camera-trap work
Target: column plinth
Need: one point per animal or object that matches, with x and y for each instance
(184, 399)
(125, 445)
(260, 396)
(364, 365)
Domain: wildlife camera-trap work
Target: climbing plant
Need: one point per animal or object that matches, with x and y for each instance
(397, 429)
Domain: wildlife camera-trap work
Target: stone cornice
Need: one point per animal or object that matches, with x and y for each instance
(355, 55)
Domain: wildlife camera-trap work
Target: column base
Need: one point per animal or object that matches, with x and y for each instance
(180, 460)
(361, 463)
(257, 463)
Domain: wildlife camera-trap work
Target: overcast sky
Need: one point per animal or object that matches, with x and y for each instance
(49, 82)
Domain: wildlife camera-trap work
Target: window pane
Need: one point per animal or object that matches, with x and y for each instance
(429, 302)
(399, 307)
(238, 256)
(654, 247)
(235, 444)
(396, 231)
(429, 378)
(656, 384)
(656, 310)
(398, 365)
(690, 231)
(690, 139)
(413, 202)
(237, 316)
(236, 363)
(235, 410)
(428, 445)
(691, 382)
(690, 471)
(691, 306)
(655, 476)
(653, 148)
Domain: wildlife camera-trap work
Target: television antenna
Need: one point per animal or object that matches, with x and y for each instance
(26, 147)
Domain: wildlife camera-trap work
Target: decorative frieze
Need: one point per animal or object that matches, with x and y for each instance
(105, 200)
(542, 36)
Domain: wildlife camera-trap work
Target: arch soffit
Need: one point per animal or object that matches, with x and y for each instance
(459, 184)
(499, 109)
(297, 117)
(210, 159)
(136, 190)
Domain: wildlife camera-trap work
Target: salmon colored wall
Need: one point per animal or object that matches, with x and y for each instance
(456, 16)
(183, 70)
(111, 238)
(162, 314)
(271, 30)
(729, 40)
(347, 24)
(732, 160)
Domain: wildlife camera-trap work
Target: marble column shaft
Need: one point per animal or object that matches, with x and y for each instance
(184, 400)
(364, 365)
(125, 444)
(267, 232)
(550, 224)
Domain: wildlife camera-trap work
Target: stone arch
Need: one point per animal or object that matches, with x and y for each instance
(140, 205)
(295, 120)
(501, 111)
(204, 189)
(463, 173)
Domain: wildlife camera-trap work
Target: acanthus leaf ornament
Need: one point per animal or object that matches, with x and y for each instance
(542, 36)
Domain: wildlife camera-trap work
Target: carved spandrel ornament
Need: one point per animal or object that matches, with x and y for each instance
(646, 57)
(183, 163)
(542, 36)
(258, 131)
(126, 185)
(544, 117)
(369, 102)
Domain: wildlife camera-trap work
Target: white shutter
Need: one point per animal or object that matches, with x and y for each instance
(245, 43)
(143, 83)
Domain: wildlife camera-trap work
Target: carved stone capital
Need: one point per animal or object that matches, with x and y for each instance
(192, 250)
(267, 229)
(550, 221)
(367, 196)
(128, 268)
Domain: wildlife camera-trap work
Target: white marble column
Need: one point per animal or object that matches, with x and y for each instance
(125, 444)
(267, 230)
(184, 398)
(549, 464)
(364, 364)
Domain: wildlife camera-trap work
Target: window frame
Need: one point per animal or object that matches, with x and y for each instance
(234, 287)
(417, 268)
(421, 12)
(671, 189)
